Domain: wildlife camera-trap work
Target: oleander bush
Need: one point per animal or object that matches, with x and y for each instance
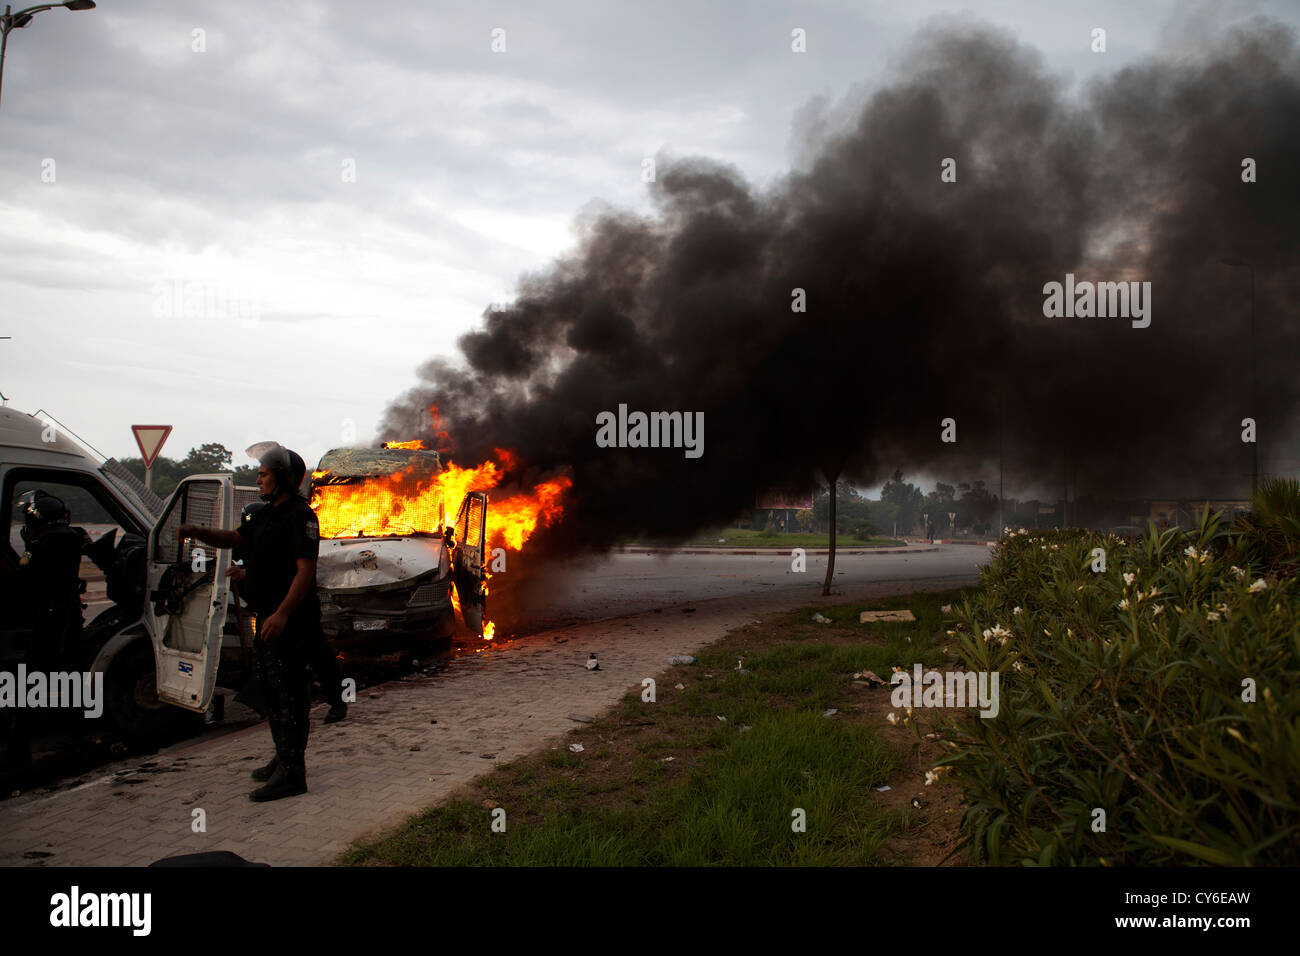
(1163, 690)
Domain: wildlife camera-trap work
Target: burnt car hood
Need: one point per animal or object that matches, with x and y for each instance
(355, 565)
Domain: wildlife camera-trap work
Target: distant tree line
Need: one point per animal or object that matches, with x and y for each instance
(206, 459)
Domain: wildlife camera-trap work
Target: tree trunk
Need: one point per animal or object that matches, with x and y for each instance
(830, 558)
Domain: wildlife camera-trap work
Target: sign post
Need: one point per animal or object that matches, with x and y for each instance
(150, 439)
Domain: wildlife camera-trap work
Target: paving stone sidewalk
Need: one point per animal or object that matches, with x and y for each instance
(406, 745)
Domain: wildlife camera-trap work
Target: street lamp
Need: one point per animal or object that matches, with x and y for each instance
(1240, 263)
(16, 21)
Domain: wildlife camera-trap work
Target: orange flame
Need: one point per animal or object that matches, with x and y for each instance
(414, 445)
(411, 500)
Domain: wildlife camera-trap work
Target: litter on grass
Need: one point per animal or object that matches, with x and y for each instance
(868, 616)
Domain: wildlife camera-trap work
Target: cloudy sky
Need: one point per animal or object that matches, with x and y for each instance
(254, 220)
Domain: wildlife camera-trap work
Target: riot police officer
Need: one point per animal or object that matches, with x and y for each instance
(281, 544)
(320, 656)
(48, 574)
(42, 602)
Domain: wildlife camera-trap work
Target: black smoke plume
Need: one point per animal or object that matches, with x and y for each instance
(924, 298)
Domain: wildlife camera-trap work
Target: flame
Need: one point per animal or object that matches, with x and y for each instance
(411, 500)
(415, 445)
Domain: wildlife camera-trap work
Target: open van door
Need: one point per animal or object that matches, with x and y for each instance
(469, 556)
(188, 592)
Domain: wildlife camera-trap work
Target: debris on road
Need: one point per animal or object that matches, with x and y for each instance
(577, 748)
(681, 659)
(592, 663)
(867, 617)
(582, 719)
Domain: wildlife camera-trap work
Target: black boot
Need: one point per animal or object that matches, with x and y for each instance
(264, 773)
(283, 783)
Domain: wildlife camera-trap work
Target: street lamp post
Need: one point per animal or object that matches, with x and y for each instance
(1254, 403)
(16, 21)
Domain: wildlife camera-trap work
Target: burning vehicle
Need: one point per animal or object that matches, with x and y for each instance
(391, 566)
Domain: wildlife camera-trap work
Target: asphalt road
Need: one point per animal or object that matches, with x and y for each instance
(631, 583)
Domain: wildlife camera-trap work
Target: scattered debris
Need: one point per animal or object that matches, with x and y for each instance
(721, 718)
(592, 663)
(577, 748)
(667, 759)
(582, 719)
(830, 713)
(916, 803)
(867, 616)
(688, 610)
(820, 618)
(883, 789)
(681, 659)
(433, 721)
(743, 727)
(683, 686)
(869, 676)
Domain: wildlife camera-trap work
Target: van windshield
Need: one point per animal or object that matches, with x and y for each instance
(378, 492)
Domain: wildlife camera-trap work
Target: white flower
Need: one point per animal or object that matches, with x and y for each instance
(1153, 592)
(987, 634)
(1213, 616)
(1017, 666)
(946, 609)
(1017, 611)
(1259, 585)
(1123, 605)
(1159, 608)
(1190, 550)
(1239, 572)
(1128, 577)
(891, 718)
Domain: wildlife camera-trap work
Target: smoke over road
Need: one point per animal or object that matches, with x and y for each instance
(924, 298)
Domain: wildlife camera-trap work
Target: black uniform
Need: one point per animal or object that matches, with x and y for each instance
(274, 540)
(320, 656)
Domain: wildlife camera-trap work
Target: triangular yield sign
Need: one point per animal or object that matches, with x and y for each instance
(150, 438)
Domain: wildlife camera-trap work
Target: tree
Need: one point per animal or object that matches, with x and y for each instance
(207, 459)
(979, 504)
(906, 497)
